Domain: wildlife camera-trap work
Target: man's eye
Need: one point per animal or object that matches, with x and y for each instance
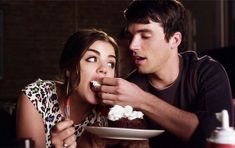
(145, 36)
(111, 64)
(91, 59)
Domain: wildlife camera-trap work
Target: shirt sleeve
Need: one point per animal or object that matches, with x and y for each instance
(37, 94)
(214, 95)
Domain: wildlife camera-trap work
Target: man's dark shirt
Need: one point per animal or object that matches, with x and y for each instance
(202, 87)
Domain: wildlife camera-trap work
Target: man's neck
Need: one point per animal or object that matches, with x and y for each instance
(166, 77)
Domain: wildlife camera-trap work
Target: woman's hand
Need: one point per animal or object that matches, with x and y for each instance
(63, 135)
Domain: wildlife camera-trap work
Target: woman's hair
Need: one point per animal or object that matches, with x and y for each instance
(76, 46)
(171, 14)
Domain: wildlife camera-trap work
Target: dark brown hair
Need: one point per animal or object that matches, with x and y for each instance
(171, 14)
(76, 46)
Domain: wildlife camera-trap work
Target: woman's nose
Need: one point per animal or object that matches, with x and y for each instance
(102, 69)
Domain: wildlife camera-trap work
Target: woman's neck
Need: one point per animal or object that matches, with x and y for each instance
(79, 108)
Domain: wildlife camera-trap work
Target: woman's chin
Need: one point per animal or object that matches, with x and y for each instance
(94, 101)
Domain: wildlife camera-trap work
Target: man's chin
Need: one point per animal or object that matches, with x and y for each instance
(141, 70)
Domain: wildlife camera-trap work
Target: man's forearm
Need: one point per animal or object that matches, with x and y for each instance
(177, 121)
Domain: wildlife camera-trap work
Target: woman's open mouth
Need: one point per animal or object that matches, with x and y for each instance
(95, 85)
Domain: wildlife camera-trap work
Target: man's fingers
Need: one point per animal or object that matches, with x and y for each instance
(110, 81)
(109, 89)
(108, 96)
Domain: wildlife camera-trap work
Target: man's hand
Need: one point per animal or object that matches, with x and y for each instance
(121, 92)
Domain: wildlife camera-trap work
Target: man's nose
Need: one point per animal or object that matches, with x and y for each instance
(134, 44)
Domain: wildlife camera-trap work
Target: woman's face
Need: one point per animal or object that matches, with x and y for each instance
(98, 61)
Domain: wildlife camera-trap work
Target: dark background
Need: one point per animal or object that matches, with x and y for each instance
(34, 31)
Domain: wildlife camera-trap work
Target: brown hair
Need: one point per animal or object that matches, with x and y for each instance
(76, 46)
(171, 14)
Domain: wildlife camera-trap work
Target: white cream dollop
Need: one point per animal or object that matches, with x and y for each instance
(117, 112)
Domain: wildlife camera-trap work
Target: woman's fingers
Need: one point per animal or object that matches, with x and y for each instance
(63, 134)
(62, 125)
(67, 132)
(71, 141)
(74, 145)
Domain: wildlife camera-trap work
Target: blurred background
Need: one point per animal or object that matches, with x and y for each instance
(33, 33)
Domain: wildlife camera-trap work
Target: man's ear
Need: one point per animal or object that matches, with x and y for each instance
(175, 40)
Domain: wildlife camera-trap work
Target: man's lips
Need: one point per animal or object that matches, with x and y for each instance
(139, 60)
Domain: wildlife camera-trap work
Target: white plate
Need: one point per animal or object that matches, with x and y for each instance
(123, 133)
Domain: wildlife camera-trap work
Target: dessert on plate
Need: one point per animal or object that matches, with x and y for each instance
(125, 117)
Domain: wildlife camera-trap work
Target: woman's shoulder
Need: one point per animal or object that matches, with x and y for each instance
(39, 83)
(43, 95)
(43, 87)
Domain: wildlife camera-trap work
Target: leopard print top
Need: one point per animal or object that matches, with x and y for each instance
(42, 93)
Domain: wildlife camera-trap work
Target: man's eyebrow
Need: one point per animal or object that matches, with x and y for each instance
(128, 33)
(144, 30)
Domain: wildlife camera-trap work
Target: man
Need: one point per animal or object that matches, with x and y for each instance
(177, 92)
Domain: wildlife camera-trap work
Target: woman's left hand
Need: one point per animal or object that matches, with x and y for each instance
(63, 135)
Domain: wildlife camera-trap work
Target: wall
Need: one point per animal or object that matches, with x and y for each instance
(35, 32)
(213, 23)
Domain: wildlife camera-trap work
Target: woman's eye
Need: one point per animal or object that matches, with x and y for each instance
(111, 64)
(91, 59)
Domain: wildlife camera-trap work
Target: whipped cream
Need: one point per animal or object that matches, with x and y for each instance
(95, 85)
(117, 112)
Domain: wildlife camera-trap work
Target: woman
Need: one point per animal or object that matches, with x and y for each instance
(52, 113)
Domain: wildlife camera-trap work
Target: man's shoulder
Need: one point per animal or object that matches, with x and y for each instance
(204, 65)
(192, 58)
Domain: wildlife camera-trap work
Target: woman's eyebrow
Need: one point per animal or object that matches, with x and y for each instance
(93, 50)
(97, 52)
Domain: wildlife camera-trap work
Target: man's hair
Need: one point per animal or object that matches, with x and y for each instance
(171, 14)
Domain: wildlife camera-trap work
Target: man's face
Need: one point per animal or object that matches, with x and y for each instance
(150, 49)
